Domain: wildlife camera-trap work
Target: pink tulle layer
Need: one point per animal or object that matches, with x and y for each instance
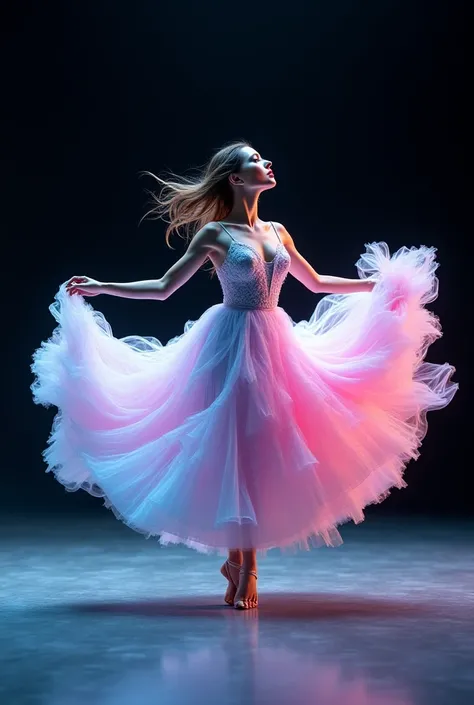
(248, 430)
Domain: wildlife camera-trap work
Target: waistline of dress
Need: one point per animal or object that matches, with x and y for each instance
(249, 308)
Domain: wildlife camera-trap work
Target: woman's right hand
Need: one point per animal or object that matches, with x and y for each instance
(84, 286)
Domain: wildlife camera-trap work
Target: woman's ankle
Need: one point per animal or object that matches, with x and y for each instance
(235, 556)
(249, 560)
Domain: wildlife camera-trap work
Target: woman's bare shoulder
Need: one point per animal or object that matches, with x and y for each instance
(207, 234)
(210, 237)
(283, 233)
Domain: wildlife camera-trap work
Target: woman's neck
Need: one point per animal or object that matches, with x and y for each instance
(245, 210)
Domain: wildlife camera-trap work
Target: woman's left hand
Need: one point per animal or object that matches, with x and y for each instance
(84, 285)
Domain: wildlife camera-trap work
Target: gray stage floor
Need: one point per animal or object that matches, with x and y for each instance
(92, 613)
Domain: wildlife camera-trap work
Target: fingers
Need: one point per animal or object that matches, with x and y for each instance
(74, 289)
(76, 280)
(72, 285)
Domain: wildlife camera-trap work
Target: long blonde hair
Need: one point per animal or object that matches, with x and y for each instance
(192, 202)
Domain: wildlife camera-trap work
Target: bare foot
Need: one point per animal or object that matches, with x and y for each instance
(230, 571)
(246, 596)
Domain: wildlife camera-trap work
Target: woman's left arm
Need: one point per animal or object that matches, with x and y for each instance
(301, 269)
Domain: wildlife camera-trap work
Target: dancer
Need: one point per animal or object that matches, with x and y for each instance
(248, 431)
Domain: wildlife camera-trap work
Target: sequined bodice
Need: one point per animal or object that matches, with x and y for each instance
(248, 281)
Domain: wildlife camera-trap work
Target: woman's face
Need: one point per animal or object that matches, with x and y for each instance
(255, 171)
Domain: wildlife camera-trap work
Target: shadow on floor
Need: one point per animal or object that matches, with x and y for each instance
(294, 606)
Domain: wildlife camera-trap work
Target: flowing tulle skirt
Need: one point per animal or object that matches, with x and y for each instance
(248, 430)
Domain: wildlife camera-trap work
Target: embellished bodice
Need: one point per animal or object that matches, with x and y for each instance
(248, 281)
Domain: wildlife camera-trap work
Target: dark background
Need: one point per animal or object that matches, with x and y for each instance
(361, 108)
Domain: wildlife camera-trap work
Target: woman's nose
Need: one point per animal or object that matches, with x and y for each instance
(268, 164)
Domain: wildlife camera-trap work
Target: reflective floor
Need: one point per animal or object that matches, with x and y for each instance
(92, 613)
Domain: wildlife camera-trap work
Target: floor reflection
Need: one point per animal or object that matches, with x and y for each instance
(240, 666)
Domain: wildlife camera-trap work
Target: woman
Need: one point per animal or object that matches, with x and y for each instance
(248, 431)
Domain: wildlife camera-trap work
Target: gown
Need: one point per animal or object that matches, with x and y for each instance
(248, 430)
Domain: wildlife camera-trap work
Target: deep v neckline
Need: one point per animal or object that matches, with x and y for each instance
(251, 247)
(269, 277)
(245, 244)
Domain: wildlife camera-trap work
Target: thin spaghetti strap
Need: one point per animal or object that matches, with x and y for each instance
(275, 231)
(228, 233)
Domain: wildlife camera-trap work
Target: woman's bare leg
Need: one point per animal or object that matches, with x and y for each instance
(247, 590)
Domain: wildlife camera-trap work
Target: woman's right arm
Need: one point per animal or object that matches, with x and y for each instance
(178, 274)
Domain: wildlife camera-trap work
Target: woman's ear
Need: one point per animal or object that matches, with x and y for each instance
(235, 180)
